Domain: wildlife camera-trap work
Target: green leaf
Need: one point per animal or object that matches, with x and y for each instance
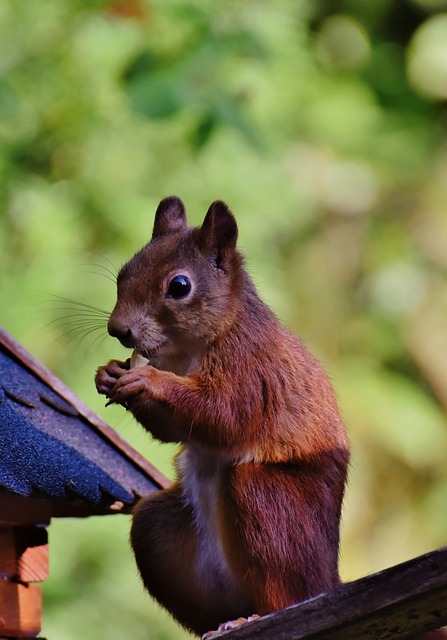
(155, 95)
(203, 131)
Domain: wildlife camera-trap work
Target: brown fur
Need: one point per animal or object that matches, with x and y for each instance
(252, 524)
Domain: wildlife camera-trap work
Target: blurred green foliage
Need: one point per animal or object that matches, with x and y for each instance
(323, 125)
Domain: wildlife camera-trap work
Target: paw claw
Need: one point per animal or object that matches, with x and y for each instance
(228, 626)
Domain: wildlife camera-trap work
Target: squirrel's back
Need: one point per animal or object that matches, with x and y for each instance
(281, 394)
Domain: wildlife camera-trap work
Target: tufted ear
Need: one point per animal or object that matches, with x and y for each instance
(170, 216)
(218, 233)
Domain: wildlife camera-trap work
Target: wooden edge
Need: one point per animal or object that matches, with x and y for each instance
(21, 609)
(397, 603)
(20, 511)
(16, 510)
(46, 376)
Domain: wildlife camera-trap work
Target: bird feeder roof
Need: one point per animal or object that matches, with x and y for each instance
(58, 453)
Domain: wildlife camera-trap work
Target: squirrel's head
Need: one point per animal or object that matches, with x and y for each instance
(182, 289)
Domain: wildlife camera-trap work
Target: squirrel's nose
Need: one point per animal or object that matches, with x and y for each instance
(123, 332)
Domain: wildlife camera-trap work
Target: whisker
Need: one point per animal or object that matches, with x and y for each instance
(77, 326)
(76, 338)
(75, 320)
(99, 338)
(79, 317)
(88, 313)
(77, 303)
(77, 330)
(114, 271)
(103, 275)
(79, 320)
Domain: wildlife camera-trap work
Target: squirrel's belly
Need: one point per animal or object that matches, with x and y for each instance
(200, 476)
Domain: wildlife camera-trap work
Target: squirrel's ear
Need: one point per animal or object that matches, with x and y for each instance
(218, 232)
(170, 216)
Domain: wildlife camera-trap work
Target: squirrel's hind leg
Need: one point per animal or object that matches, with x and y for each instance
(283, 542)
(164, 541)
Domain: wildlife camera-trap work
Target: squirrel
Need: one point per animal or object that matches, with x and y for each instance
(251, 525)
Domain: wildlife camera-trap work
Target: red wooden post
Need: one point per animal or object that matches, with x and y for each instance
(23, 560)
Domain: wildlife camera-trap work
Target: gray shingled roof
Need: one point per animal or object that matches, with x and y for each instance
(49, 450)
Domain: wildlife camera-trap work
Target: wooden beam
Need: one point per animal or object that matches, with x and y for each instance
(398, 603)
(20, 610)
(24, 554)
(8, 558)
(18, 510)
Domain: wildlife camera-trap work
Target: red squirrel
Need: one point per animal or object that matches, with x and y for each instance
(251, 524)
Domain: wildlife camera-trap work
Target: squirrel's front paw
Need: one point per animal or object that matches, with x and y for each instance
(131, 384)
(107, 376)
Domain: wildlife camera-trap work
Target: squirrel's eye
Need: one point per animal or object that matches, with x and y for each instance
(179, 287)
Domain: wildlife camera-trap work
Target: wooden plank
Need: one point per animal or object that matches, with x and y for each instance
(32, 553)
(397, 603)
(8, 559)
(20, 609)
(24, 554)
(20, 510)
(100, 425)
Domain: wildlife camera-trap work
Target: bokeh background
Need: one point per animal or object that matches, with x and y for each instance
(323, 124)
